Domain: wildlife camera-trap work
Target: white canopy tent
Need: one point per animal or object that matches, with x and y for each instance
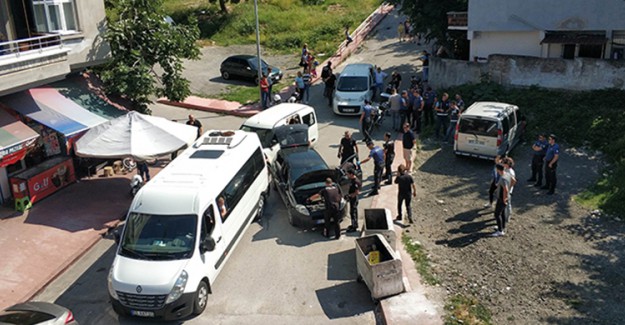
(135, 135)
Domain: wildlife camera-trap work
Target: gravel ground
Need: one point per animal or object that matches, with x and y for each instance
(558, 263)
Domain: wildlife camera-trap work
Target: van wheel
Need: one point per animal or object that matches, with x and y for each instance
(201, 298)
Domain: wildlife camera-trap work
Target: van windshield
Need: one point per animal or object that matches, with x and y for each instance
(158, 237)
(352, 84)
(265, 135)
(477, 126)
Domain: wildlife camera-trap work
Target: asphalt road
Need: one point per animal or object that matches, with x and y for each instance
(278, 274)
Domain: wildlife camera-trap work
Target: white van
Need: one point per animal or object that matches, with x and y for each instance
(182, 225)
(487, 129)
(265, 123)
(353, 87)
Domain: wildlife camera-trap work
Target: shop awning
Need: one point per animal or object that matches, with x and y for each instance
(14, 138)
(48, 107)
(574, 38)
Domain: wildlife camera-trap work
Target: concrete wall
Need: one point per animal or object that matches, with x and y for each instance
(509, 70)
(512, 43)
(88, 48)
(556, 15)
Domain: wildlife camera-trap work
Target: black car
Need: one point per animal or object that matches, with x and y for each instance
(246, 67)
(300, 172)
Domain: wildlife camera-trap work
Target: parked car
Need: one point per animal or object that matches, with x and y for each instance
(246, 67)
(37, 313)
(353, 87)
(487, 129)
(300, 172)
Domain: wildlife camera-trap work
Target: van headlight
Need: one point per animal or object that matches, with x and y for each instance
(112, 291)
(178, 288)
(302, 209)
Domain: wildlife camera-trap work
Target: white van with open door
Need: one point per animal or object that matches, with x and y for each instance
(487, 129)
(182, 225)
(265, 123)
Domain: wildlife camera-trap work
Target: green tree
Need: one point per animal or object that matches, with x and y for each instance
(141, 39)
(429, 17)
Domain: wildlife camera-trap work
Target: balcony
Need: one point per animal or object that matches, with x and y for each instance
(27, 61)
(457, 20)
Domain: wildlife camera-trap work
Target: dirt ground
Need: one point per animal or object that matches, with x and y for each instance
(559, 263)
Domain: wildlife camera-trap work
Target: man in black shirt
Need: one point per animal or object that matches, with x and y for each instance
(409, 141)
(332, 199)
(193, 122)
(389, 156)
(406, 190)
(347, 148)
(354, 190)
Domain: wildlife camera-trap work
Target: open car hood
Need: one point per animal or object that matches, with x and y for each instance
(317, 176)
(292, 135)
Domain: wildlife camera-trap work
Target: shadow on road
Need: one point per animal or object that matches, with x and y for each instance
(345, 300)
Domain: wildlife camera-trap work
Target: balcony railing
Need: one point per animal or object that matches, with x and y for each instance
(40, 43)
(457, 20)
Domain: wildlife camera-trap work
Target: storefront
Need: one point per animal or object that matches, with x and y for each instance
(47, 165)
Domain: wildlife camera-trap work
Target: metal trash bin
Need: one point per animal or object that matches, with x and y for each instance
(383, 278)
(380, 221)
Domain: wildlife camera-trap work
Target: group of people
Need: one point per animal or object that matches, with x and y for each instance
(303, 80)
(544, 160)
(407, 33)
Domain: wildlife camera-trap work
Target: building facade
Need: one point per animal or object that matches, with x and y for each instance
(546, 28)
(44, 40)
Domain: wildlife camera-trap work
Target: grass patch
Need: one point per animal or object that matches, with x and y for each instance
(466, 310)
(284, 24)
(419, 256)
(590, 119)
(243, 94)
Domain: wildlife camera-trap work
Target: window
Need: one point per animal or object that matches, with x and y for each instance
(590, 51)
(512, 116)
(568, 51)
(506, 124)
(243, 180)
(54, 16)
(208, 223)
(352, 84)
(309, 119)
(478, 127)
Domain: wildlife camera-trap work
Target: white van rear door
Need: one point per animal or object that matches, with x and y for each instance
(477, 136)
(310, 119)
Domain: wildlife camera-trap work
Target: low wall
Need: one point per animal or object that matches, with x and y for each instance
(510, 70)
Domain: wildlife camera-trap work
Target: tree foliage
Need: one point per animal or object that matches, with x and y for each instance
(429, 17)
(141, 39)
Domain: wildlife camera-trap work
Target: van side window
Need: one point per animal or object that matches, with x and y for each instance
(208, 222)
(506, 124)
(309, 119)
(513, 120)
(239, 184)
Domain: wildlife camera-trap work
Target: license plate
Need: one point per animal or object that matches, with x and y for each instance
(142, 313)
(481, 143)
(349, 110)
(319, 221)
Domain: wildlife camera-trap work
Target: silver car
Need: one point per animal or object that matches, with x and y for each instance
(37, 313)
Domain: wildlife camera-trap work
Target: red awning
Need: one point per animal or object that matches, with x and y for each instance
(15, 137)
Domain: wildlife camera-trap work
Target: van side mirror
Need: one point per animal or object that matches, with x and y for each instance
(207, 245)
(116, 235)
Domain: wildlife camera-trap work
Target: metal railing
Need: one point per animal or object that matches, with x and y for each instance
(39, 43)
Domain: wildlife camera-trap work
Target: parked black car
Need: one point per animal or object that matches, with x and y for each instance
(300, 172)
(246, 67)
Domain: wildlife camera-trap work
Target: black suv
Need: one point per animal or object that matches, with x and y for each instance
(246, 67)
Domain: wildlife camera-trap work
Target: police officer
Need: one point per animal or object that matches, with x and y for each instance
(389, 156)
(540, 149)
(365, 120)
(354, 191)
(551, 164)
(377, 154)
(332, 199)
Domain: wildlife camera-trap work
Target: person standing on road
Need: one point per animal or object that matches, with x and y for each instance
(193, 122)
(403, 108)
(377, 154)
(264, 91)
(389, 156)
(143, 170)
(395, 80)
(551, 164)
(394, 106)
(503, 188)
(417, 110)
(540, 149)
(405, 191)
(365, 121)
(332, 199)
(329, 79)
(409, 140)
(379, 81)
(442, 115)
(401, 31)
(425, 67)
(307, 84)
(347, 148)
(300, 85)
(429, 98)
(354, 190)
(460, 103)
(508, 163)
(493, 184)
(454, 114)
